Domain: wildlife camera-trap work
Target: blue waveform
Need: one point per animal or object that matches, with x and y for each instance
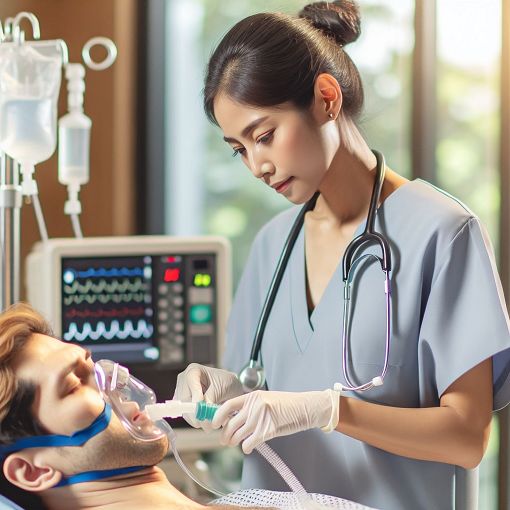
(116, 330)
(103, 272)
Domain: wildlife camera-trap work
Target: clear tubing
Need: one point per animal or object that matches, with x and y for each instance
(172, 438)
(75, 221)
(40, 218)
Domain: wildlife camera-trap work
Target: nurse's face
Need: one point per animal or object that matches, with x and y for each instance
(285, 147)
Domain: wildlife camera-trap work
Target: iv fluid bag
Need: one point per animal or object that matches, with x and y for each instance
(25, 133)
(29, 87)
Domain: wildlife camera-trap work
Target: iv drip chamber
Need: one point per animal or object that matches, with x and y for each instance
(73, 154)
(74, 132)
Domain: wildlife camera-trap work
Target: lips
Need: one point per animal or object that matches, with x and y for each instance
(282, 185)
(140, 417)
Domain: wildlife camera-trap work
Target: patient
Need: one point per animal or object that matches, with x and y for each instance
(47, 387)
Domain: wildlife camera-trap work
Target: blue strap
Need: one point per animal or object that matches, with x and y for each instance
(91, 476)
(77, 439)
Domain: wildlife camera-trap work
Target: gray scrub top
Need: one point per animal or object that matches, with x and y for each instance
(448, 315)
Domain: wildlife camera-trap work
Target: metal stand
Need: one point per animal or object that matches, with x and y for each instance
(10, 231)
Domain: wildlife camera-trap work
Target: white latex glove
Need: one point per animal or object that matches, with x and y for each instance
(256, 417)
(214, 385)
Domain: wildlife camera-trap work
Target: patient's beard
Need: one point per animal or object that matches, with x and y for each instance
(114, 448)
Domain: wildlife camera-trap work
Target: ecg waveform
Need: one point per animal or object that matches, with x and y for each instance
(113, 272)
(104, 298)
(121, 312)
(101, 286)
(101, 331)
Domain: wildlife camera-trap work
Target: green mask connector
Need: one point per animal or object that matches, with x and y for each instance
(206, 411)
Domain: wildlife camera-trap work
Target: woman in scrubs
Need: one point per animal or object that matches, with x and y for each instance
(286, 97)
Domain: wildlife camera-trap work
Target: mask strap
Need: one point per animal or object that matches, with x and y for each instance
(54, 440)
(91, 476)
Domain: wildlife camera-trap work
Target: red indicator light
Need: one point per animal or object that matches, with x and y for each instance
(172, 275)
(171, 260)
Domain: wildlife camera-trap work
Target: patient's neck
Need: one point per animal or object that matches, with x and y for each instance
(147, 489)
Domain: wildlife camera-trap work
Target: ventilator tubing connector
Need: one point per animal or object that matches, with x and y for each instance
(175, 409)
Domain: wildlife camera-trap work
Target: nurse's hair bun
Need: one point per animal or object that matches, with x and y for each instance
(339, 20)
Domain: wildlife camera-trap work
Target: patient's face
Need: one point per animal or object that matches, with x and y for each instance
(66, 395)
(67, 400)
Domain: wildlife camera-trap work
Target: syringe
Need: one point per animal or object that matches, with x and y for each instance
(176, 408)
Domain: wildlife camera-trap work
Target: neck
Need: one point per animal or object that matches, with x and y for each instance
(346, 189)
(146, 489)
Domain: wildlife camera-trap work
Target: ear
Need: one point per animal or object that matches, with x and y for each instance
(20, 470)
(327, 97)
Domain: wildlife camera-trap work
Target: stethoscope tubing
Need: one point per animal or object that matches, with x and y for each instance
(277, 277)
(368, 236)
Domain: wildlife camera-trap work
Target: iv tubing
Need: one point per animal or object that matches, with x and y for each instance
(40, 218)
(75, 220)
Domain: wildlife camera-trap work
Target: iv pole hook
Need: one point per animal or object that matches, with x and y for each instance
(36, 32)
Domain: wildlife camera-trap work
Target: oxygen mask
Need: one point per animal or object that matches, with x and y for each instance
(128, 398)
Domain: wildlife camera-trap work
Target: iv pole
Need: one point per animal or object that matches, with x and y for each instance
(10, 231)
(10, 194)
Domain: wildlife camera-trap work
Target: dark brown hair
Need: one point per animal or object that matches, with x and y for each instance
(269, 59)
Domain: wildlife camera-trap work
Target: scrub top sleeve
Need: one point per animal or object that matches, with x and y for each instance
(465, 319)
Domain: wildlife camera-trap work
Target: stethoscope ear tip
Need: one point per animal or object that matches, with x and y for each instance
(377, 381)
(338, 387)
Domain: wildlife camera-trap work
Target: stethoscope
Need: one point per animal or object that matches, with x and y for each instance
(252, 376)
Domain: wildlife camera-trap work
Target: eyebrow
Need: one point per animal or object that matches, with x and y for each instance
(248, 129)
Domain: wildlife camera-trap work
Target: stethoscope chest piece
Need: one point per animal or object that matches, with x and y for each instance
(252, 376)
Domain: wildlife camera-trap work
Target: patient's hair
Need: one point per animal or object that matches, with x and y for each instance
(17, 324)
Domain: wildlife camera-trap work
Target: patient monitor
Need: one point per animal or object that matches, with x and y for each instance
(153, 303)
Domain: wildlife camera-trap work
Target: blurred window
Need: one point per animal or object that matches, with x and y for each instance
(213, 193)
(467, 149)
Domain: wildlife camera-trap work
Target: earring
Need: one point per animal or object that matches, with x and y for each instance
(330, 115)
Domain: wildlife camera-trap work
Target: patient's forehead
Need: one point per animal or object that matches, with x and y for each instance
(39, 355)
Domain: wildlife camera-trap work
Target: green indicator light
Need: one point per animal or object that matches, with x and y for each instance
(202, 280)
(200, 314)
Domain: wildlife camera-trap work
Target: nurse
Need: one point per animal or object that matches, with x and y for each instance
(286, 97)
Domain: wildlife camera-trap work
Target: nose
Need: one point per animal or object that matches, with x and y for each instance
(261, 168)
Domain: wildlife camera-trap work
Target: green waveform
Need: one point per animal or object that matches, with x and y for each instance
(102, 286)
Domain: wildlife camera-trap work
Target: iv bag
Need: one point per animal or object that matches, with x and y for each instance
(29, 86)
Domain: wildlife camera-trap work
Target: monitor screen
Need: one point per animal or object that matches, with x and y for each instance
(141, 308)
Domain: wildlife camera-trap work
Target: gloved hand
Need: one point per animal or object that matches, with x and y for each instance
(263, 415)
(214, 385)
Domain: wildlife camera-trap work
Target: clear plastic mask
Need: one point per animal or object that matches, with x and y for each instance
(128, 397)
